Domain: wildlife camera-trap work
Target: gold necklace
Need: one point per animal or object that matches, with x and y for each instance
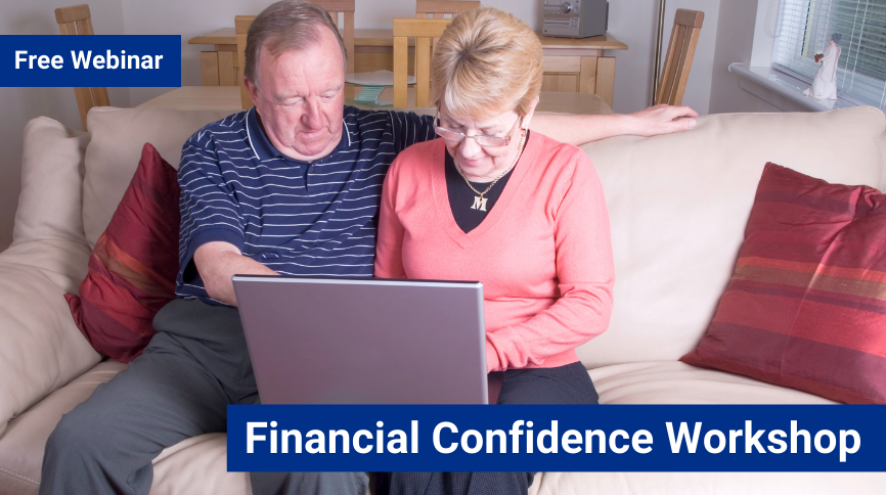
(479, 200)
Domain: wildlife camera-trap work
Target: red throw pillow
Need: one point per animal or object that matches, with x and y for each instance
(806, 306)
(133, 266)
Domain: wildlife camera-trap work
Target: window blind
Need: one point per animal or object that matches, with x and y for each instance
(806, 26)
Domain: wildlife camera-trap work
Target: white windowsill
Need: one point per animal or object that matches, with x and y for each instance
(782, 90)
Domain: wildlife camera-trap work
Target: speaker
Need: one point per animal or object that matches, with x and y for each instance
(575, 18)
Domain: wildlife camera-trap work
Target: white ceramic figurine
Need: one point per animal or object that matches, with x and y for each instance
(824, 85)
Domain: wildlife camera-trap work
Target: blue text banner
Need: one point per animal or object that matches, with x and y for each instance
(91, 61)
(556, 438)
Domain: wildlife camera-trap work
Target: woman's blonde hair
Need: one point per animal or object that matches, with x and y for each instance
(487, 62)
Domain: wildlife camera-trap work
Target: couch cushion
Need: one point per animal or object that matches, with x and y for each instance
(133, 266)
(678, 206)
(118, 135)
(805, 307)
(21, 445)
(673, 382)
(194, 466)
(198, 465)
(52, 175)
(42, 349)
(711, 483)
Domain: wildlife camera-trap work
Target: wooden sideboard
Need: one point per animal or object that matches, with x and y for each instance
(571, 65)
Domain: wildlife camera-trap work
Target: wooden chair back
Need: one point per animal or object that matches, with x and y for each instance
(678, 61)
(77, 20)
(436, 9)
(241, 28)
(423, 30)
(346, 7)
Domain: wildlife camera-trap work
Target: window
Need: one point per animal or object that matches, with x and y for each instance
(805, 26)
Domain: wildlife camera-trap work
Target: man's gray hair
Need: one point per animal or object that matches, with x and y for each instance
(284, 26)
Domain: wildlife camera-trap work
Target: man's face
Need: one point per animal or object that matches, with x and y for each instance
(301, 98)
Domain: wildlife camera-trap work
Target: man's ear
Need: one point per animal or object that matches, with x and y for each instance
(251, 88)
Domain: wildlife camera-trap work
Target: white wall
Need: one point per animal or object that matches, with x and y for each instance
(735, 42)
(22, 104)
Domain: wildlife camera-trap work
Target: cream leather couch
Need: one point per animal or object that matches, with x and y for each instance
(678, 206)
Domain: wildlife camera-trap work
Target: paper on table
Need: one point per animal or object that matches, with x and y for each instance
(377, 78)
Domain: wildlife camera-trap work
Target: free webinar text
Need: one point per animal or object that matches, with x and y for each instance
(85, 59)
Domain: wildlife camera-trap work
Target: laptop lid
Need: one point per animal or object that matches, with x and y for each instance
(364, 341)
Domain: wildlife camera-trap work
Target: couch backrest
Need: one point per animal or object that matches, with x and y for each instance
(679, 204)
(118, 135)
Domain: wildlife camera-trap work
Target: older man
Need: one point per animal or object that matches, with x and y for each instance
(291, 186)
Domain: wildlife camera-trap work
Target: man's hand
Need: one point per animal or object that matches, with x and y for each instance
(217, 262)
(660, 119)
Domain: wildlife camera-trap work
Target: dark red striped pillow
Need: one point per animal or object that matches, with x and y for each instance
(133, 266)
(806, 306)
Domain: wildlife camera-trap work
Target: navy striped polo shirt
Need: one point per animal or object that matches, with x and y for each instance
(295, 217)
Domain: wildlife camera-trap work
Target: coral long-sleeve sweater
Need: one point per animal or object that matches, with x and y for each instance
(543, 252)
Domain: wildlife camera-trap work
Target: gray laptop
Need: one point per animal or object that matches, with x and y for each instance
(364, 341)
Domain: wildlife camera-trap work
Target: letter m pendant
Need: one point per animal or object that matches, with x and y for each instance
(479, 203)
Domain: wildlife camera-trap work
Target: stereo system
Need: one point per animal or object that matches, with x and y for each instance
(575, 18)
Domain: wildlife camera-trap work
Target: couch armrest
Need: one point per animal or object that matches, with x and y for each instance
(42, 347)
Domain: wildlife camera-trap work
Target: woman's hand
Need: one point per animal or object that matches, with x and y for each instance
(660, 119)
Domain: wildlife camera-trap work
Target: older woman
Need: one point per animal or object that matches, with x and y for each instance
(518, 211)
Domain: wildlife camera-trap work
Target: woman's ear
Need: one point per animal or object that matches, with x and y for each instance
(529, 113)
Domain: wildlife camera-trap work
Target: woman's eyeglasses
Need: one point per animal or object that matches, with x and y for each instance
(481, 139)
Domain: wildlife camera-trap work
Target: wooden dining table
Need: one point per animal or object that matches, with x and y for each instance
(228, 98)
(570, 65)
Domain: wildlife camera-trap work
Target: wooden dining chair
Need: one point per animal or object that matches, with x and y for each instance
(678, 61)
(346, 7)
(77, 20)
(241, 28)
(423, 30)
(436, 9)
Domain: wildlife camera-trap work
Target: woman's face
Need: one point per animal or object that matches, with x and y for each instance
(483, 163)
